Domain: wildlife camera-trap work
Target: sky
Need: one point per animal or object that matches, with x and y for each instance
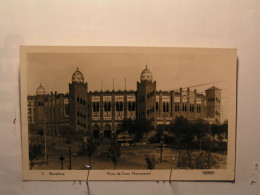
(172, 68)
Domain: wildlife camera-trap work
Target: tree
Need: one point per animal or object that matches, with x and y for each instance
(181, 131)
(114, 152)
(200, 128)
(90, 149)
(142, 128)
(150, 161)
(40, 132)
(128, 126)
(224, 129)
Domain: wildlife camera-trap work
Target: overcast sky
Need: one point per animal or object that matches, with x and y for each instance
(171, 68)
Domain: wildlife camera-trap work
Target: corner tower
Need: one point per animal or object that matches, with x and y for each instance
(40, 106)
(213, 97)
(146, 97)
(78, 102)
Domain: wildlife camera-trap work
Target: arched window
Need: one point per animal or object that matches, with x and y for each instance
(81, 100)
(117, 106)
(78, 113)
(164, 107)
(94, 107)
(129, 106)
(167, 108)
(81, 115)
(109, 106)
(133, 106)
(84, 116)
(184, 107)
(97, 107)
(78, 122)
(105, 106)
(121, 106)
(78, 99)
(157, 106)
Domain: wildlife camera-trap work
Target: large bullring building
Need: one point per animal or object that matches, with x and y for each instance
(102, 112)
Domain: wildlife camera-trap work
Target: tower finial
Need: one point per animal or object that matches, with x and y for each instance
(77, 68)
(146, 66)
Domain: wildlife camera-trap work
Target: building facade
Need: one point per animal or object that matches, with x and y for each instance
(51, 111)
(101, 112)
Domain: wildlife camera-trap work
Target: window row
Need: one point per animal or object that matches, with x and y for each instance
(81, 124)
(107, 106)
(165, 106)
(131, 106)
(198, 108)
(141, 114)
(119, 106)
(177, 107)
(151, 110)
(82, 115)
(40, 103)
(212, 99)
(217, 113)
(151, 94)
(96, 107)
(81, 101)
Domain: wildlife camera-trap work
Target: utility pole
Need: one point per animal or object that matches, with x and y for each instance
(125, 83)
(113, 84)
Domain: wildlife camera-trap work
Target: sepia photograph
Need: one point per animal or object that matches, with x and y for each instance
(128, 113)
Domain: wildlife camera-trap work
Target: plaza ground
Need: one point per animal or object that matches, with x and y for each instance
(132, 157)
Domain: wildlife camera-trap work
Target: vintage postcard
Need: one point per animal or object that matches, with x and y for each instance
(128, 113)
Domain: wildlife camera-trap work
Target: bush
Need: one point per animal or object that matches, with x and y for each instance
(150, 161)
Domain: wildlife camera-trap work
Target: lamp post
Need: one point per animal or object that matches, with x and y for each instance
(45, 138)
(61, 161)
(69, 158)
(162, 138)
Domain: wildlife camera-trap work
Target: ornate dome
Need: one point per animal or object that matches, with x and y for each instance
(146, 75)
(40, 90)
(77, 77)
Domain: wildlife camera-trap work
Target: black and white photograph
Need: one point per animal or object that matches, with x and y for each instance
(128, 113)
